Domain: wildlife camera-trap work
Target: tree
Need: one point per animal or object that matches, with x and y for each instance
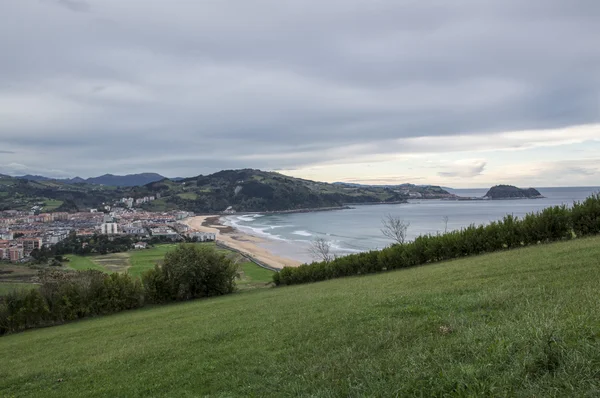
(445, 221)
(395, 228)
(320, 249)
(191, 271)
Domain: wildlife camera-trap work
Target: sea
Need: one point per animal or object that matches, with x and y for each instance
(359, 228)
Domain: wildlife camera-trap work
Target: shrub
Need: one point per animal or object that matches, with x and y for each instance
(586, 216)
(189, 272)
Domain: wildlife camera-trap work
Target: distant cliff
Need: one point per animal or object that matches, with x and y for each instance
(512, 192)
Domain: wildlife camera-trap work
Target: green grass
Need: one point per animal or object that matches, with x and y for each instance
(253, 276)
(7, 287)
(143, 260)
(135, 262)
(188, 196)
(81, 263)
(518, 323)
(51, 204)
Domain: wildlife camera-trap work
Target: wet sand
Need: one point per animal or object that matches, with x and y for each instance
(239, 240)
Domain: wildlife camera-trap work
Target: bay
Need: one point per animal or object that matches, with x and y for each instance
(359, 229)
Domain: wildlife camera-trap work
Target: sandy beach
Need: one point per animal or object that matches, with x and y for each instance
(238, 240)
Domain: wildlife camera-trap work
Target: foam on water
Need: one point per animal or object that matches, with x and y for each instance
(302, 233)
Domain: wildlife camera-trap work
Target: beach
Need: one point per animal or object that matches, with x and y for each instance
(238, 240)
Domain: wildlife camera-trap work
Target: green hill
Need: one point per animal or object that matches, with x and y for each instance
(245, 190)
(51, 195)
(524, 322)
(256, 190)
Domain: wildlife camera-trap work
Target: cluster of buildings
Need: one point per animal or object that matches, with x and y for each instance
(130, 202)
(22, 232)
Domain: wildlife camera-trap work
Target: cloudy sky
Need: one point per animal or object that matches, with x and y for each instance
(463, 93)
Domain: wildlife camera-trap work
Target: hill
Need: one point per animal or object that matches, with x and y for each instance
(129, 180)
(244, 190)
(52, 195)
(256, 190)
(512, 192)
(517, 323)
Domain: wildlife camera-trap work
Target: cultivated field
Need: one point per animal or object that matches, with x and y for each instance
(519, 323)
(16, 277)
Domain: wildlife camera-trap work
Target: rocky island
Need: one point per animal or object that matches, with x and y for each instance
(512, 192)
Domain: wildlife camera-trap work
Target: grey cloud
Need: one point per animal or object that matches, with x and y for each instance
(135, 87)
(466, 170)
(582, 171)
(74, 5)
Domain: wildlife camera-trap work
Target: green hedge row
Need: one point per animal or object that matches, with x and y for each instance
(189, 272)
(549, 225)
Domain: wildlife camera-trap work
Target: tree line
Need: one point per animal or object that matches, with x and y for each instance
(188, 272)
(549, 225)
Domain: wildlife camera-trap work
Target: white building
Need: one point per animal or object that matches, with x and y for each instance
(109, 228)
(203, 236)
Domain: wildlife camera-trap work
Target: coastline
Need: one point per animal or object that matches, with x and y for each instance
(238, 240)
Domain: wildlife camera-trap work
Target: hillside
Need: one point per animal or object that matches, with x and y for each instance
(51, 195)
(129, 180)
(256, 190)
(244, 190)
(512, 192)
(517, 323)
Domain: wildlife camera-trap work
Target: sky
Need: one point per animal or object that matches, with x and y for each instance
(464, 93)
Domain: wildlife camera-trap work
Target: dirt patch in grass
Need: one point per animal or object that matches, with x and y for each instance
(114, 262)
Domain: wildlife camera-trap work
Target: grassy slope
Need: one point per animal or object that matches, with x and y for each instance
(518, 323)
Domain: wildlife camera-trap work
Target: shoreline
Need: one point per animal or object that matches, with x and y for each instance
(243, 242)
(268, 212)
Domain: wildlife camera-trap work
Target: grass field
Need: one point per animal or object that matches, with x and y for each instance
(142, 260)
(517, 323)
(16, 277)
(52, 204)
(188, 196)
(7, 287)
(136, 262)
(81, 263)
(252, 276)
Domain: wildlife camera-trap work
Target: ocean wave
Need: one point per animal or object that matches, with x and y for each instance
(337, 247)
(302, 233)
(245, 218)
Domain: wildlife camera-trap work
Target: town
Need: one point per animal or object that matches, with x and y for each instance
(23, 232)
